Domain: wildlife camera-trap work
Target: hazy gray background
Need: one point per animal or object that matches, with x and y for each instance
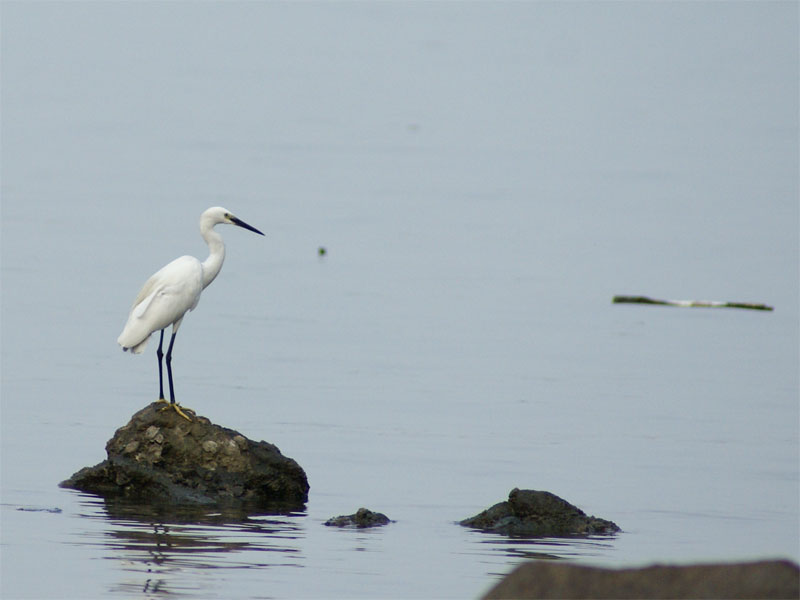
(485, 177)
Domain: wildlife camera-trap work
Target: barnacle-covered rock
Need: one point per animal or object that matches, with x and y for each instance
(161, 457)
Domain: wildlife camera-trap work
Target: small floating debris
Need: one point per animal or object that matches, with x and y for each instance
(363, 518)
(322, 251)
(689, 303)
(55, 510)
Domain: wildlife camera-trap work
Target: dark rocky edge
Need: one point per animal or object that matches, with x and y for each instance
(530, 513)
(361, 519)
(160, 457)
(541, 579)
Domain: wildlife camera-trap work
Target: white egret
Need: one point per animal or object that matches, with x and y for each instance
(173, 291)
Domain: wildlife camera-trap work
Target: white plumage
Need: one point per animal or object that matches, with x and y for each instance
(174, 290)
(164, 299)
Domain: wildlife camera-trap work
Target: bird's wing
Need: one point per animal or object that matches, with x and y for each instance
(140, 308)
(169, 293)
(163, 300)
(147, 288)
(165, 304)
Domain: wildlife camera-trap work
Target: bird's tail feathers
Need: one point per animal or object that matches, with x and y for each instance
(138, 348)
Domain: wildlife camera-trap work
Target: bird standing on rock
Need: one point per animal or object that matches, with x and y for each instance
(173, 291)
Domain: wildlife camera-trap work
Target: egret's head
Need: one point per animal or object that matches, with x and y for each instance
(216, 215)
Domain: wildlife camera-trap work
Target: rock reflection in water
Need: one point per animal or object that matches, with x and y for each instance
(157, 541)
(517, 547)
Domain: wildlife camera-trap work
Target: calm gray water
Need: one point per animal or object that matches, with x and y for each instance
(485, 177)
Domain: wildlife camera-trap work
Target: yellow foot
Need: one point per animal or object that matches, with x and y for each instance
(177, 408)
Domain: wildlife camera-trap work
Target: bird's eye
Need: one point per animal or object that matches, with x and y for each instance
(227, 215)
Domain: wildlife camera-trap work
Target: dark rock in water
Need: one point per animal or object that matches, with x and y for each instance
(535, 579)
(161, 457)
(363, 518)
(530, 513)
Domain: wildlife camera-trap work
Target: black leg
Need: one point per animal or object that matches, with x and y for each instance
(169, 368)
(160, 354)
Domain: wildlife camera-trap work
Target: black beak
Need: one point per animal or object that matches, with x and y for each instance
(241, 223)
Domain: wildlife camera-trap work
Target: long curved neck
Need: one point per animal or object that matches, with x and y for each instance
(216, 255)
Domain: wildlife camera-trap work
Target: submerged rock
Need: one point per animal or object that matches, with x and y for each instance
(539, 579)
(532, 513)
(161, 457)
(362, 518)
